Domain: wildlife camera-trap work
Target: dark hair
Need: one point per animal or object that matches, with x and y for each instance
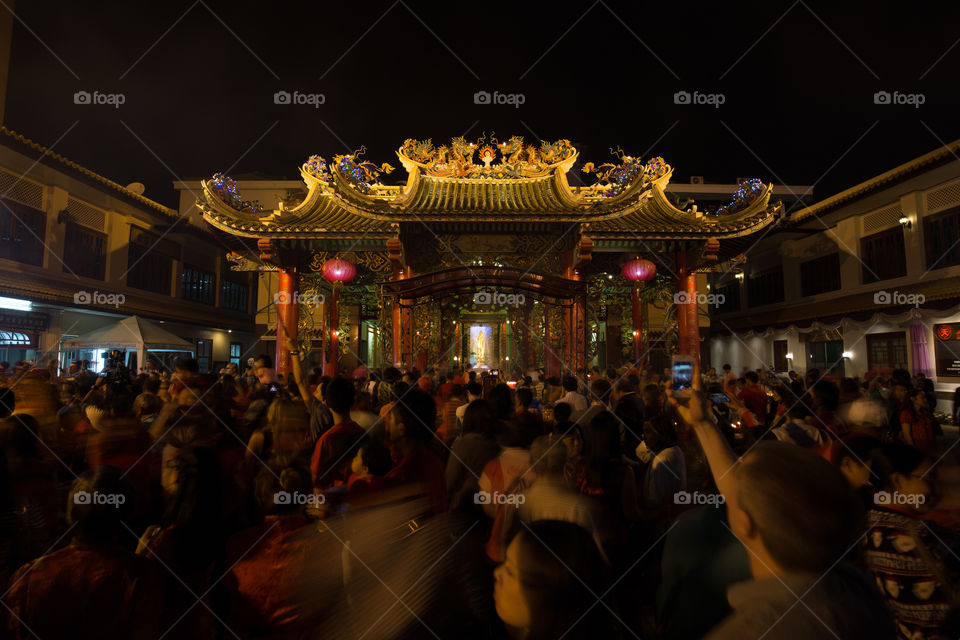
(266, 360)
(803, 507)
(826, 394)
(478, 418)
(562, 412)
(376, 457)
(23, 435)
(501, 401)
(601, 445)
(151, 385)
(98, 521)
(663, 431)
(569, 383)
(283, 473)
(518, 433)
(339, 395)
(418, 414)
(727, 367)
(196, 506)
(857, 446)
(475, 389)
(600, 389)
(611, 373)
(561, 570)
(892, 458)
(524, 397)
(752, 376)
(188, 364)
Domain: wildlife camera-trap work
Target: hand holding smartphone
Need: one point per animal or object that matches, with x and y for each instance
(682, 372)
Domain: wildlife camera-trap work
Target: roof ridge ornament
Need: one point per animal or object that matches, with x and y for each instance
(516, 160)
(617, 178)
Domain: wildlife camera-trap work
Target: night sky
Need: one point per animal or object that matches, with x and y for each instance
(198, 80)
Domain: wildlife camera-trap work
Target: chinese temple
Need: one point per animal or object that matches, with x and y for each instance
(486, 256)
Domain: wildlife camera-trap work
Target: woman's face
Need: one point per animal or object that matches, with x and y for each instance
(508, 591)
(573, 444)
(919, 401)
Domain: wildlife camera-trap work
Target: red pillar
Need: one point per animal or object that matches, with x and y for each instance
(551, 355)
(691, 310)
(397, 355)
(288, 316)
(638, 346)
(333, 353)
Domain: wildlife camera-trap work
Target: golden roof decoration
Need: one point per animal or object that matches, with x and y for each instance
(483, 181)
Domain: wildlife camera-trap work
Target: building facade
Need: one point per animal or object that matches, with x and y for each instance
(79, 252)
(857, 284)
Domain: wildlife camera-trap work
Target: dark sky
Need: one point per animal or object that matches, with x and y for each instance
(199, 76)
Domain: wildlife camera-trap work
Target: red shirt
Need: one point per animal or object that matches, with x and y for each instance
(329, 465)
(424, 467)
(100, 592)
(921, 429)
(755, 399)
(363, 485)
(265, 579)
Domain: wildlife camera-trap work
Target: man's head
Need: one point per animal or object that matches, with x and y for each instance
(727, 368)
(524, 397)
(600, 391)
(751, 378)
(187, 367)
(372, 459)
(562, 412)
(569, 383)
(852, 455)
(414, 419)
(793, 508)
(474, 391)
(339, 396)
(146, 404)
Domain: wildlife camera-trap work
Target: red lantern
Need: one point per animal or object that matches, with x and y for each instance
(338, 270)
(639, 270)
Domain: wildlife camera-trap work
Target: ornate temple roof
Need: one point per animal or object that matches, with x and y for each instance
(478, 182)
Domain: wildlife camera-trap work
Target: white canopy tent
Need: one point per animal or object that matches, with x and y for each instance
(132, 334)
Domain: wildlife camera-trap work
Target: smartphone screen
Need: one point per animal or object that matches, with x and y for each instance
(719, 398)
(682, 374)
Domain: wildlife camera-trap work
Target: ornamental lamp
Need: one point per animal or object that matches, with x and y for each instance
(338, 270)
(639, 270)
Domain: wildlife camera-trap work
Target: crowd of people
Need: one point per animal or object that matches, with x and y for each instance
(458, 503)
